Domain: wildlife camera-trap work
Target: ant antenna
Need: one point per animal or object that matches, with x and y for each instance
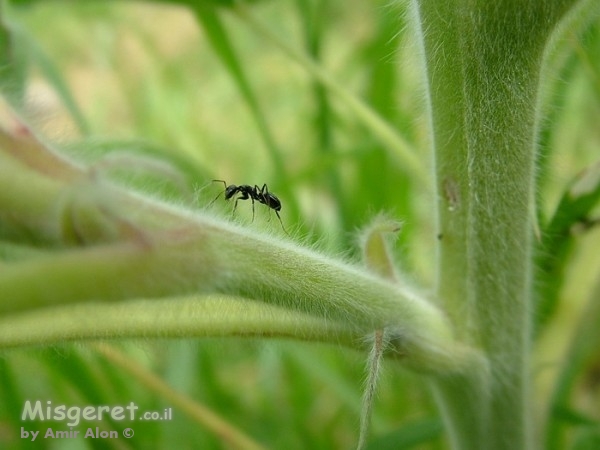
(220, 193)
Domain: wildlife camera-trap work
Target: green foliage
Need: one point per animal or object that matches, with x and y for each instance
(573, 216)
(118, 115)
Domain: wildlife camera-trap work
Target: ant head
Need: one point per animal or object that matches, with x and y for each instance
(230, 191)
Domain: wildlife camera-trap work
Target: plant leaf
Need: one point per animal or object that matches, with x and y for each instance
(572, 215)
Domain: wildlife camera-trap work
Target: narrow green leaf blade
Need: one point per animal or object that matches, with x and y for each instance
(572, 215)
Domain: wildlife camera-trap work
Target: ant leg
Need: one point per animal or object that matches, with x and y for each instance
(264, 191)
(261, 193)
(281, 222)
(242, 196)
(252, 208)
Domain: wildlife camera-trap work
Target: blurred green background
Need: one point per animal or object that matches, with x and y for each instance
(208, 94)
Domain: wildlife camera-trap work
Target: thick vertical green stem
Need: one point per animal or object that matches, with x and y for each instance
(483, 61)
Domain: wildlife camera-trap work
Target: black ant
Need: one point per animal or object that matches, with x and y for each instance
(254, 193)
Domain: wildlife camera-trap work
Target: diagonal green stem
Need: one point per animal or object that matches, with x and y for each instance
(201, 414)
(388, 136)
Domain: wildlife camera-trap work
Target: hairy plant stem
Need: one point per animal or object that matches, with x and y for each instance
(377, 257)
(483, 61)
(111, 244)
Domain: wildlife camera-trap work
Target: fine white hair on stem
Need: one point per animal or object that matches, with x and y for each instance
(379, 343)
